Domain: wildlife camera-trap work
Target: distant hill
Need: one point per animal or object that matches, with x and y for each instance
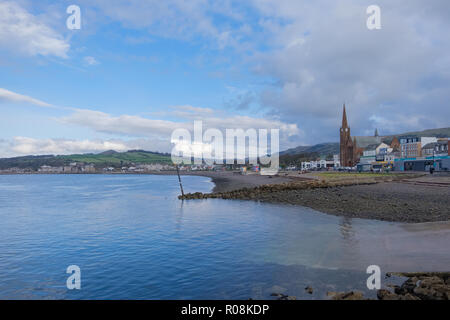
(105, 159)
(108, 153)
(324, 149)
(439, 133)
(321, 148)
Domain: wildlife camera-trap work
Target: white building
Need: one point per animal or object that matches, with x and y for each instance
(337, 160)
(317, 165)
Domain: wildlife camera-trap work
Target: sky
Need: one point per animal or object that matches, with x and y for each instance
(138, 70)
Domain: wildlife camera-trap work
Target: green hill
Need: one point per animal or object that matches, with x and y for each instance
(104, 159)
(117, 158)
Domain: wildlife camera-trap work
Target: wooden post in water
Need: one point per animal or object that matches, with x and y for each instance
(179, 180)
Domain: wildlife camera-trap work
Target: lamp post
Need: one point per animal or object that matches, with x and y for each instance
(432, 168)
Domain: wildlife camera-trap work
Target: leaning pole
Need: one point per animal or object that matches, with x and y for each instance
(179, 180)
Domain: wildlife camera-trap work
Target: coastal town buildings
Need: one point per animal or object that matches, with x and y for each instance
(365, 149)
(373, 153)
(411, 147)
(439, 148)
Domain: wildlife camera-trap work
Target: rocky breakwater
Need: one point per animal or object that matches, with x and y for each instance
(259, 192)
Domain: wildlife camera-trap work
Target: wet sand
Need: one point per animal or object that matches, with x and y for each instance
(228, 181)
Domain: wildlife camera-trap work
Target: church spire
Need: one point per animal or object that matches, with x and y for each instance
(376, 132)
(344, 119)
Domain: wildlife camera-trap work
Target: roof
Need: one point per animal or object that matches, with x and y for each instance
(372, 147)
(430, 145)
(388, 140)
(344, 119)
(434, 144)
(364, 142)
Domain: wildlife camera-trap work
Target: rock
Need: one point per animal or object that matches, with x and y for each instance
(276, 294)
(281, 296)
(409, 296)
(423, 286)
(309, 289)
(384, 294)
(352, 295)
(331, 293)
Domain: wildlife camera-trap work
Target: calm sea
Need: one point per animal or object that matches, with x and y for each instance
(133, 239)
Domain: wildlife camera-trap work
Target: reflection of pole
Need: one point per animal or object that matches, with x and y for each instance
(179, 180)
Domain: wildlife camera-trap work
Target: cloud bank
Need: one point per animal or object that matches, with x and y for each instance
(24, 33)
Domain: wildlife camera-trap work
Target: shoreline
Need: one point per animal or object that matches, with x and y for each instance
(223, 181)
(394, 198)
(231, 181)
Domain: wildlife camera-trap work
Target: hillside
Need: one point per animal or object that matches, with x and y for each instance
(104, 159)
(325, 149)
(439, 133)
(117, 158)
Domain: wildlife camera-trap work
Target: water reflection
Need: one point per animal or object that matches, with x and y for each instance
(348, 234)
(132, 238)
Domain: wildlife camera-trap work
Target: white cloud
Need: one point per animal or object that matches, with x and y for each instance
(143, 127)
(123, 125)
(9, 96)
(23, 33)
(20, 146)
(90, 61)
(30, 146)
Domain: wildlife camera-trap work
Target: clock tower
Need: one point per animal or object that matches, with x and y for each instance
(346, 143)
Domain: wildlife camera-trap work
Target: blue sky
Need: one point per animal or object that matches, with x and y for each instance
(137, 70)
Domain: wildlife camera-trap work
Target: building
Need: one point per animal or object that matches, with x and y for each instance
(88, 168)
(392, 155)
(419, 154)
(336, 160)
(45, 169)
(318, 165)
(439, 148)
(369, 154)
(348, 154)
(378, 156)
(411, 146)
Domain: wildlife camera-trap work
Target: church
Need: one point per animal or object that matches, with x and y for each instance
(352, 148)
